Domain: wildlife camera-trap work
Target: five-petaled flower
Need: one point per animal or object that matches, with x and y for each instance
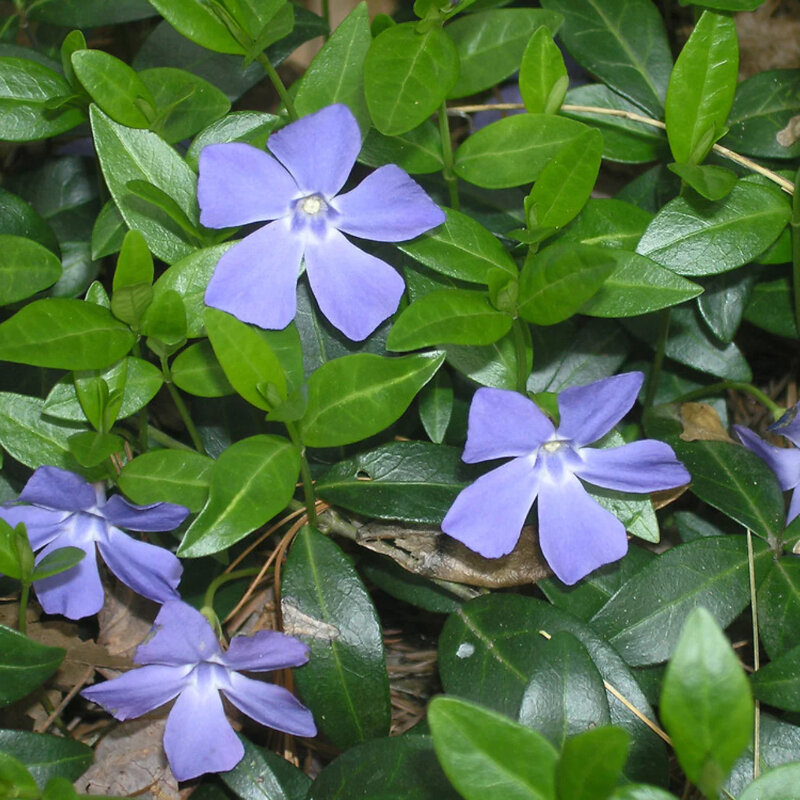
(297, 187)
(576, 534)
(66, 511)
(184, 660)
(784, 462)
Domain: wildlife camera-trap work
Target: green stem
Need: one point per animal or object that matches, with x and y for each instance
(655, 372)
(795, 229)
(521, 355)
(280, 87)
(23, 607)
(181, 406)
(226, 577)
(164, 438)
(756, 657)
(448, 168)
(714, 388)
(305, 474)
(326, 13)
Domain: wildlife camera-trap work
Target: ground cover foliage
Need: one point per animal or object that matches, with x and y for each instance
(594, 277)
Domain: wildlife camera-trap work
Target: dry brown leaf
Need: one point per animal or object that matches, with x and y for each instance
(790, 134)
(702, 423)
(125, 620)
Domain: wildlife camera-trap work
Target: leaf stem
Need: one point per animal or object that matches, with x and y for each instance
(305, 474)
(714, 388)
(279, 85)
(521, 355)
(794, 227)
(221, 580)
(655, 372)
(756, 657)
(165, 439)
(181, 407)
(22, 624)
(448, 168)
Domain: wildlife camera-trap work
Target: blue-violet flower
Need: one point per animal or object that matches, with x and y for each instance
(66, 511)
(184, 660)
(784, 462)
(576, 534)
(297, 187)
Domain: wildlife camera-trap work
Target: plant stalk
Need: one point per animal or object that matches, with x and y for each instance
(448, 168)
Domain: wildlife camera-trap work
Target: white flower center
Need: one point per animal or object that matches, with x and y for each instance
(312, 205)
(553, 446)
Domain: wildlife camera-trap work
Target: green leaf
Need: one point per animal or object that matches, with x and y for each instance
(197, 21)
(771, 307)
(251, 127)
(91, 448)
(249, 483)
(15, 779)
(47, 757)
(407, 76)
(436, 406)
(18, 218)
(57, 561)
(336, 74)
(558, 280)
(185, 102)
(461, 248)
(27, 91)
(249, 363)
(384, 769)
(565, 184)
(413, 482)
(197, 371)
(490, 44)
(644, 618)
(65, 334)
(115, 87)
(706, 705)
(135, 264)
(487, 756)
(778, 683)
(324, 604)
(417, 151)
(165, 320)
(622, 42)
(591, 764)
(701, 88)
(487, 651)
(514, 150)
(543, 79)
(90, 13)
(108, 232)
(642, 792)
(710, 181)
(780, 784)
(134, 155)
(353, 397)
(700, 237)
(24, 664)
(492, 365)
(723, 302)
(565, 693)
(778, 606)
(26, 267)
(448, 316)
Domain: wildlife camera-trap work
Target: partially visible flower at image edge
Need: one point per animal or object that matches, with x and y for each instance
(576, 534)
(783, 461)
(64, 510)
(184, 659)
(297, 188)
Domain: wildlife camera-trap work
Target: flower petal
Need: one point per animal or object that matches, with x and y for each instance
(489, 514)
(42, 524)
(256, 279)
(794, 506)
(387, 206)
(198, 738)
(182, 635)
(76, 593)
(265, 651)
(784, 462)
(150, 571)
(138, 691)
(789, 425)
(589, 412)
(270, 705)
(54, 487)
(239, 183)
(644, 466)
(503, 423)
(154, 517)
(319, 150)
(354, 290)
(576, 535)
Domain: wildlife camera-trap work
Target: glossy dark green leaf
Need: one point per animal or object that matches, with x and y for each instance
(514, 150)
(27, 89)
(778, 683)
(490, 44)
(723, 302)
(250, 127)
(487, 756)
(771, 307)
(779, 606)
(129, 155)
(91, 13)
(353, 397)
(249, 483)
(492, 365)
(24, 664)
(622, 42)
(407, 75)
(543, 79)
(780, 784)
(197, 371)
(488, 649)
(172, 476)
(197, 21)
(701, 87)
(47, 757)
(57, 561)
(26, 267)
(708, 180)
(385, 769)
(436, 406)
(407, 481)
(565, 694)
(644, 618)
(108, 231)
(18, 218)
(324, 603)
(706, 705)
(591, 764)
(461, 248)
(700, 237)
(417, 151)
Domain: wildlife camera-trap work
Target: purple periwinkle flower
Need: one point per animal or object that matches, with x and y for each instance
(184, 660)
(576, 534)
(64, 510)
(784, 462)
(297, 188)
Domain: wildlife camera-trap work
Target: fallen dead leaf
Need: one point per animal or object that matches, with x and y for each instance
(702, 423)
